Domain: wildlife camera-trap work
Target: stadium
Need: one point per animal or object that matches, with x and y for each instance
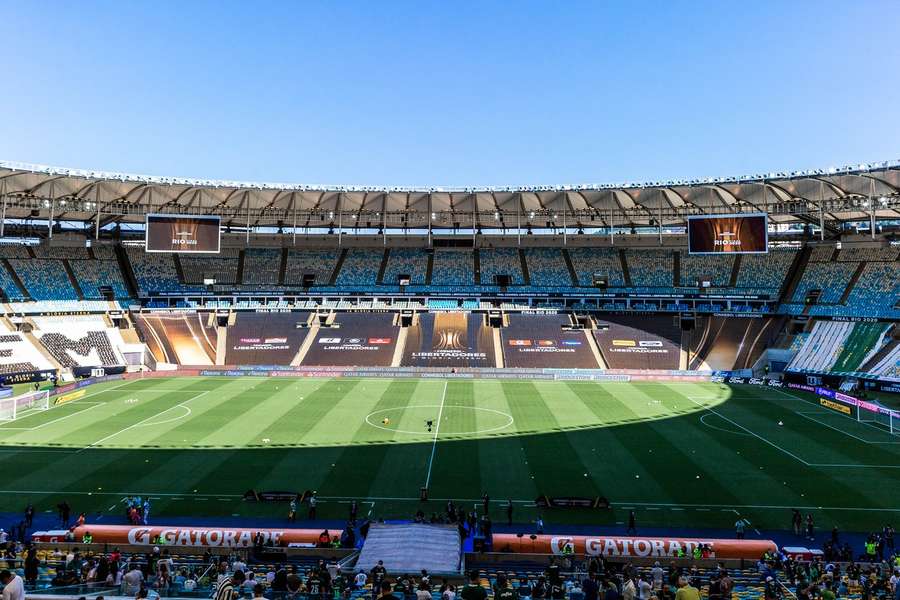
(317, 301)
(675, 359)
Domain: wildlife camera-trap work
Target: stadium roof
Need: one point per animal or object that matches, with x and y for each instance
(853, 192)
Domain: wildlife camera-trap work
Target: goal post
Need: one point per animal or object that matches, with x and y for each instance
(12, 408)
(888, 419)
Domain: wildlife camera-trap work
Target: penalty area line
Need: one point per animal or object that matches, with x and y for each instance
(141, 422)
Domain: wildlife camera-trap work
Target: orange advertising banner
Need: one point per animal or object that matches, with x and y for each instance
(629, 546)
(212, 537)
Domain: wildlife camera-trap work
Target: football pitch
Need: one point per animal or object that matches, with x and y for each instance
(679, 454)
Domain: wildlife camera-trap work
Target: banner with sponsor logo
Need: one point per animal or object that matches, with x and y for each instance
(630, 546)
(202, 537)
(355, 339)
(639, 342)
(542, 341)
(265, 338)
(846, 400)
(450, 339)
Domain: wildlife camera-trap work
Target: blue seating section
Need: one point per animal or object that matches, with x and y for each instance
(61, 252)
(547, 267)
(14, 251)
(876, 291)
(406, 261)
(650, 268)
(603, 261)
(706, 267)
(45, 279)
(765, 271)
(103, 252)
(319, 263)
(222, 267)
(156, 272)
(10, 289)
(360, 268)
(823, 276)
(94, 274)
(500, 261)
(452, 268)
(262, 266)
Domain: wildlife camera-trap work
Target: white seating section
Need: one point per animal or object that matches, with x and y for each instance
(822, 347)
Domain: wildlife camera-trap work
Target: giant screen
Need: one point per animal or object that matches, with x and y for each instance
(182, 233)
(721, 234)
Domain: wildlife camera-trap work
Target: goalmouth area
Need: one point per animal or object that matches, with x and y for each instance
(678, 453)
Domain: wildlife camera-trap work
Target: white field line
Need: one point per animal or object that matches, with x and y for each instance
(370, 499)
(437, 429)
(810, 415)
(89, 406)
(751, 432)
(142, 421)
(791, 454)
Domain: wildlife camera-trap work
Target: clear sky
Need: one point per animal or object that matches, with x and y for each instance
(449, 93)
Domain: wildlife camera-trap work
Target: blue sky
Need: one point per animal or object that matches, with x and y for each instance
(450, 93)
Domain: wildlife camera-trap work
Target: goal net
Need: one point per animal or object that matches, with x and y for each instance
(878, 415)
(12, 408)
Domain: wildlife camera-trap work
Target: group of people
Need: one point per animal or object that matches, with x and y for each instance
(137, 510)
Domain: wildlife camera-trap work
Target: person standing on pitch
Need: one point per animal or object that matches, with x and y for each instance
(311, 515)
(509, 511)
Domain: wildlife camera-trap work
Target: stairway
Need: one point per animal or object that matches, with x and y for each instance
(794, 274)
(526, 276)
(125, 267)
(338, 266)
(626, 274)
(383, 267)
(411, 547)
(850, 285)
(735, 271)
(676, 270)
(571, 267)
(239, 277)
(72, 279)
(15, 278)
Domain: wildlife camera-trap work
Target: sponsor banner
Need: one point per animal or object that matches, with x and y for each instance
(728, 234)
(355, 339)
(645, 342)
(841, 408)
(571, 502)
(630, 547)
(545, 341)
(27, 376)
(265, 339)
(69, 397)
(182, 233)
(844, 398)
(201, 537)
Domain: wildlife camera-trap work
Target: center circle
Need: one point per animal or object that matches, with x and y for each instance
(455, 420)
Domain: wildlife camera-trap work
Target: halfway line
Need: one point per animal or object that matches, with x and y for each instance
(436, 430)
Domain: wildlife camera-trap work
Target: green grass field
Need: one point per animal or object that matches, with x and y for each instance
(680, 454)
